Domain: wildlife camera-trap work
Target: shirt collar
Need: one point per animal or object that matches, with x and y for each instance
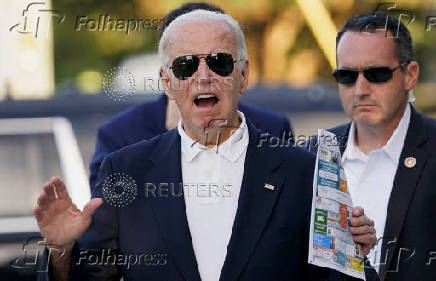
(231, 149)
(352, 151)
(395, 144)
(392, 148)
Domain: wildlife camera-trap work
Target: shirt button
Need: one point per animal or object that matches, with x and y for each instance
(210, 152)
(208, 174)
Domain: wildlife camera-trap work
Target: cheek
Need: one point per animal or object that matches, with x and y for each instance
(235, 80)
(180, 91)
(391, 97)
(346, 97)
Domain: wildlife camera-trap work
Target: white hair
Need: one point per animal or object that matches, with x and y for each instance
(202, 15)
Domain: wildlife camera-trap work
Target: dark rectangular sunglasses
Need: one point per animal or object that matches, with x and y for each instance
(376, 74)
(221, 63)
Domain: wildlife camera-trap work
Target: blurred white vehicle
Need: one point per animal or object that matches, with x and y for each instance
(32, 150)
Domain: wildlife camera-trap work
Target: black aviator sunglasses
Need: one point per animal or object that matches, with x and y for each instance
(184, 66)
(375, 74)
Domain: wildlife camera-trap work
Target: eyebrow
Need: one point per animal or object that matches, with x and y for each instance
(367, 66)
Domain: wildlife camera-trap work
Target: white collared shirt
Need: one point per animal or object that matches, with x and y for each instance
(212, 179)
(370, 177)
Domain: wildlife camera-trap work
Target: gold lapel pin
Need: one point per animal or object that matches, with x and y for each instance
(410, 162)
(269, 186)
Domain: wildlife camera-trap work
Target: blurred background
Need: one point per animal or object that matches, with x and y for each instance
(61, 63)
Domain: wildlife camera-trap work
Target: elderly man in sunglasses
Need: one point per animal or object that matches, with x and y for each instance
(158, 116)
(201, 202)
(388, 148)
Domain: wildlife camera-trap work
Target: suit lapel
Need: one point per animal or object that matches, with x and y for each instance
(255, 206)
(341, 133)
(170, 212)
(404, 186)
(159, 114)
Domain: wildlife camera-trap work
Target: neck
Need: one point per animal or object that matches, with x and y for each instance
(372, 137)
(215, 135)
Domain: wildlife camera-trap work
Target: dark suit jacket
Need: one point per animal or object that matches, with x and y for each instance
(147, 120)
(410, 233)
(270, 233)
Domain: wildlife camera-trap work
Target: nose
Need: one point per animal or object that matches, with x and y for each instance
(362, 86)
(203, 69)
(203, 77)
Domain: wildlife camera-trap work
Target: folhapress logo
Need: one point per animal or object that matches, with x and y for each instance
(37, 19)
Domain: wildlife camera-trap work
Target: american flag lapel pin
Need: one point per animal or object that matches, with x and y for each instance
(269, 186)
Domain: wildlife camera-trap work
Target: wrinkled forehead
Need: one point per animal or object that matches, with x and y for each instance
(201, 37)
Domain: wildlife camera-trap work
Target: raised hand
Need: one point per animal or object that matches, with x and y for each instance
(59, 220)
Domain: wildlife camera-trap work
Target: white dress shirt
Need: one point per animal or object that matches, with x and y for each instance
(212, 180)
(370, 178)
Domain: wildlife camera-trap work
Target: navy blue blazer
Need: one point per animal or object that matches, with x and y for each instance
(269, 240)
(409, 244)
(148, 120)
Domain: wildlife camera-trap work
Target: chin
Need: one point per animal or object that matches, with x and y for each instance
(203, 124)
(368, 120)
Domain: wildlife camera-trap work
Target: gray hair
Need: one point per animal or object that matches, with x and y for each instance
(203, 15)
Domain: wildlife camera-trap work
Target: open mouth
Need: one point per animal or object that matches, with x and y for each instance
(207, 100)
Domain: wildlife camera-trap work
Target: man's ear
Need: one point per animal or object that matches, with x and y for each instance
(412, 75)
(244, 77)
(165, 80)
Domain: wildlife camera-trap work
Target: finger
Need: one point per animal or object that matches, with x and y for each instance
(49, 189)
(365, 229)
(60, 188)
(38, 213)
(366, 250)
(368, 240)
(360, 221)
(43, 201)
(91, 206)
(358, 211)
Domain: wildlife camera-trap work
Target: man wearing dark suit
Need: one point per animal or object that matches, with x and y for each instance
(148, 120)
(203, 201)
(388, 149)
